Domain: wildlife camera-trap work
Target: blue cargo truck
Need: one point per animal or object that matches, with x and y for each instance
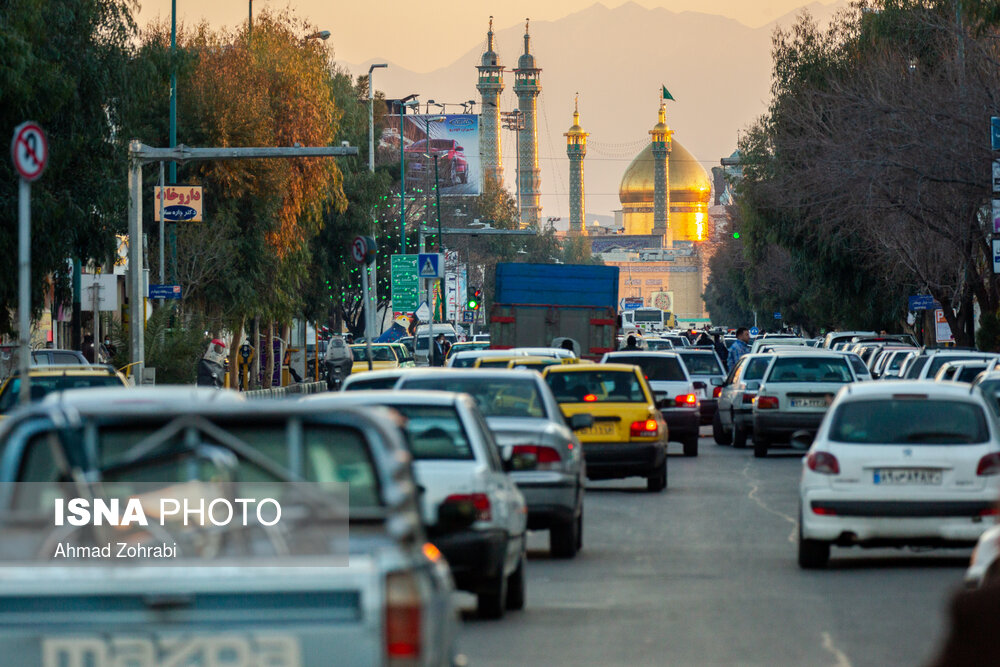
(540, 304)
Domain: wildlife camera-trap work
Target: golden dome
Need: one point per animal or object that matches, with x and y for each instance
(688, 179)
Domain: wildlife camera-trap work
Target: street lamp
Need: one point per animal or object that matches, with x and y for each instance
(372, 306)
(514, 120)
(407, 101)
(428, 154)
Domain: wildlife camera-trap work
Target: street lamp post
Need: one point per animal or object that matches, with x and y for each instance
(372, 304)
(514, 120)
(407, 101)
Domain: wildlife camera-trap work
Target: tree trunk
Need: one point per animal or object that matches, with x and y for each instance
(255, 366)
(234, 353)
(269, 359)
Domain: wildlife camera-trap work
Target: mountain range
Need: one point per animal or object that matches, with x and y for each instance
(717, 69)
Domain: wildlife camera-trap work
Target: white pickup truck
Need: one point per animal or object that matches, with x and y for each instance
(261, 600)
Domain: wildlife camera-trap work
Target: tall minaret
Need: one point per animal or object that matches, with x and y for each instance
(660, 138)
(490, 86)
(576, 149)
(527, 88)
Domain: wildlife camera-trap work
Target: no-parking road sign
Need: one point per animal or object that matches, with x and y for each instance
(29, 150)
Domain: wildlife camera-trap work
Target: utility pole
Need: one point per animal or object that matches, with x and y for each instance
(372, 304)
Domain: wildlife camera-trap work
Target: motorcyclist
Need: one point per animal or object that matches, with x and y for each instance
(212, 366)
(339, 361)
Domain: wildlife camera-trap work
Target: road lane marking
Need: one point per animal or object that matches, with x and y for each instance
(842, 659)
(754, 488)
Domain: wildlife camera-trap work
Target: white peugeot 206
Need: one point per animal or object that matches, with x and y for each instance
(899, 464)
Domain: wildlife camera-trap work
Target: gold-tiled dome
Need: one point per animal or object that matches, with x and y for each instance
(688, 179)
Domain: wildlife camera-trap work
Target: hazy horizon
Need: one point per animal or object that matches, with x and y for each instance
(402, 22)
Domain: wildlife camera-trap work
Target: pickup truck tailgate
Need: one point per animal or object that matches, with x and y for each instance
(194, 616)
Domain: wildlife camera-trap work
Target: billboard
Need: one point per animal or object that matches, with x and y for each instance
(454, 141)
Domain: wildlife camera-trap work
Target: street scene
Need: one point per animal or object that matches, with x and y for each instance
(411, 334)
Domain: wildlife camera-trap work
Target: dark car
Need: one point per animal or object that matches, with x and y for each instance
(452, 165)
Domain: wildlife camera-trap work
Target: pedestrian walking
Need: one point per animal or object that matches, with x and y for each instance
(740, 347)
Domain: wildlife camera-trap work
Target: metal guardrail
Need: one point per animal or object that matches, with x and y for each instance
(298, 389)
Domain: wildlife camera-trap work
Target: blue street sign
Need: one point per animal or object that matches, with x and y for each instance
(995, 132)
(468, 316)
(777, 316)
(922, 302)
(164, 291)
(430, 265)
(754, 331)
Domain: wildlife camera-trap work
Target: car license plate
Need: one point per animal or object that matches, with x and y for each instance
(232, 649)
(809, 403)
(903, 476)
(599, 428)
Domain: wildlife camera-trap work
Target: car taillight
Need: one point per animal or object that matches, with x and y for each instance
(824, 463)
(823, 511)
(644, 429)
(767, 402)
(748, 398)
(989, 465)
(685, 400)
(480, 503)
(402, 619)
(717, 392)
(546, 457)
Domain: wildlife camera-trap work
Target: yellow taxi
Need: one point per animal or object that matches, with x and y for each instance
(534, 363)
(384, 357)
(404, 355)
(48, 379)
(629, 435)
(502, 361)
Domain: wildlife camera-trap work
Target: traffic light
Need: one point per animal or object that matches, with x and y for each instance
(736, 235)
(475, 299)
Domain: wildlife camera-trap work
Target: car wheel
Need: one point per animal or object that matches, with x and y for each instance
(452, 175)
(718, 432)
(492, 604)
(563, 538)
(813, 554)
(658, 481)
(760, 446)
(515, 587)
(691, 446)
(579, 531)
(465, 177)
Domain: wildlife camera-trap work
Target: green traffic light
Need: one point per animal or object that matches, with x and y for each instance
(736, 235)
(472, 304)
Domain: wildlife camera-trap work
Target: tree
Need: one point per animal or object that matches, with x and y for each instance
(73, 80)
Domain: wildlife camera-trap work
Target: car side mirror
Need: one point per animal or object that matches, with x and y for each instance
(718, 382)
(453, 517)
(580, 422)
(802, 440)
(753, 385)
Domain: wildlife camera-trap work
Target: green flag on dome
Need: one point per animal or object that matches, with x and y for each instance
(667, 95)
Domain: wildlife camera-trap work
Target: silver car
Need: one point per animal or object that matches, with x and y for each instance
(524, 417)
(734, 415)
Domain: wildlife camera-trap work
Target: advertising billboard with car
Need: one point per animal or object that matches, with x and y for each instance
(454, 144)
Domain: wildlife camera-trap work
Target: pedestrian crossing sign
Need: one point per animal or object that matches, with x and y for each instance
(430, 265)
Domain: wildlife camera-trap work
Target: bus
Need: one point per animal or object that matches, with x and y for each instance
(648, 319)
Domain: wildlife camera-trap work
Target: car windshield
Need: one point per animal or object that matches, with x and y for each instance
(858, 365)
(700, 363)
(897, 361)
(41, 386)
(496, 397)
(464, 361)
(658, 344)
(435, 432)
(596, 386)
(494, 363)
(656, 369)
(810, 369)
(379, 353)
(909, 421)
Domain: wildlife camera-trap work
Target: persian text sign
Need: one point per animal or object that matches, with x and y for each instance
(181, 203)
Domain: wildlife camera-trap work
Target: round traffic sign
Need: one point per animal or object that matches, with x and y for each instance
(359, 249)
(754, 331)
(29, 150)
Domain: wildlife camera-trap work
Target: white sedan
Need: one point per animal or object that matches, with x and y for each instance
(895, 464)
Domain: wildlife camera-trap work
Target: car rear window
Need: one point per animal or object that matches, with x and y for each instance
(494, 363)
(496, 397)
(435, 433)
(45, 385)
(810, 369)
(940, 360)
(375, 383)
(756, 369)
(654, 344)
(701, 363)
(383, 353)
(858, 365)
(656, 369)
(596, 386)
(909, 421)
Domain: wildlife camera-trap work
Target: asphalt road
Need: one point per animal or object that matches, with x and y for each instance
(705, 574)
